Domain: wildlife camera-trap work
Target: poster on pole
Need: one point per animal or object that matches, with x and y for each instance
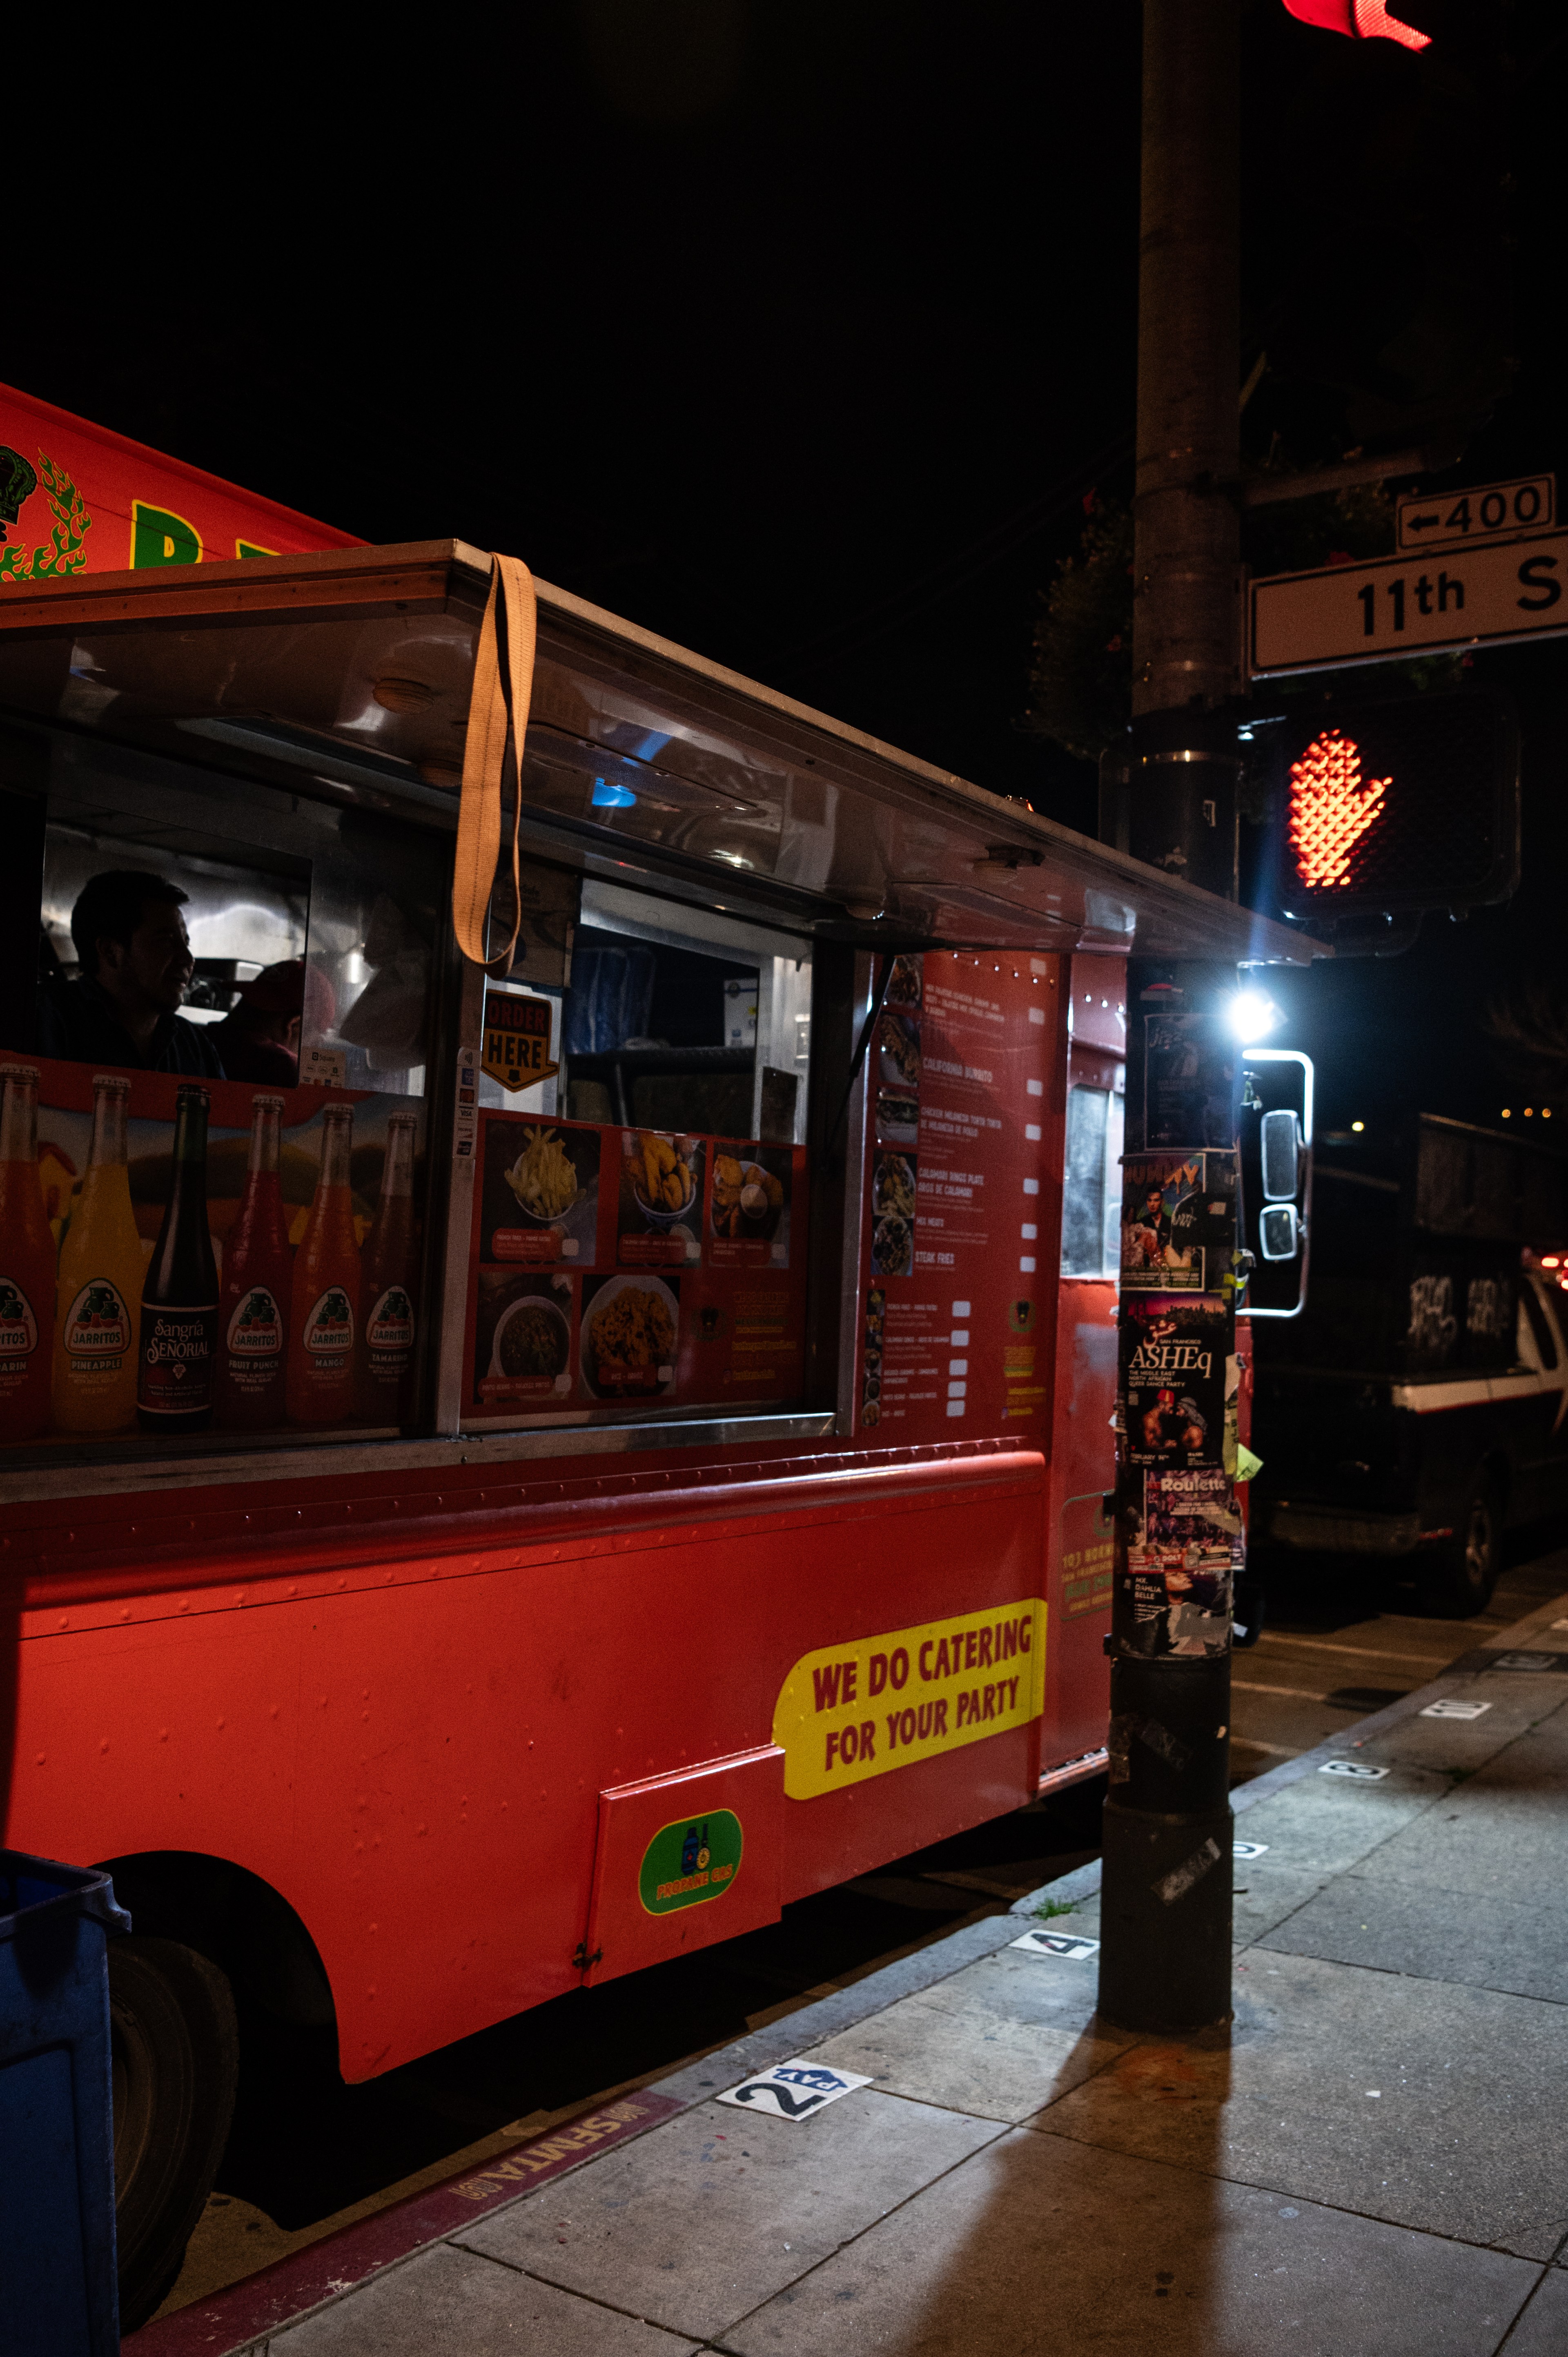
(1174, 1348)
(1183, 1554)
(1192, 1082)
(1179, 1221)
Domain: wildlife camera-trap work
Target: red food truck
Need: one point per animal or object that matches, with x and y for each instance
(511, 1475)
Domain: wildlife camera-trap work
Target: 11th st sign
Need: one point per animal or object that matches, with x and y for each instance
(1343, 614)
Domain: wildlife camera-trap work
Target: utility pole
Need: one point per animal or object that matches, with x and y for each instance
(1167, 1898)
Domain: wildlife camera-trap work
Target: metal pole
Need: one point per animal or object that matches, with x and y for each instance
(1167, 1899)
(1185, 613)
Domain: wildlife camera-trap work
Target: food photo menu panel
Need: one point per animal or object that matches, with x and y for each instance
(616, 1270)
(963, 1218)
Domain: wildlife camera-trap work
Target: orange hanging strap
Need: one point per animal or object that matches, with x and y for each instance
(497, 713)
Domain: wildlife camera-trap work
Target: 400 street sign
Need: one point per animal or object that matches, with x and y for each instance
(1409, 605)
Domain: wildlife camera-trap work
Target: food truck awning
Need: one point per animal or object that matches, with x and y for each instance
(351, 668)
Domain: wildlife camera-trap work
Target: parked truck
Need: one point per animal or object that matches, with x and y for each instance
(1417, 1409)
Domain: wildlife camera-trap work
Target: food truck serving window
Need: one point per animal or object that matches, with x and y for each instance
(638, 1244)
(216, 1057)
(215, 1131)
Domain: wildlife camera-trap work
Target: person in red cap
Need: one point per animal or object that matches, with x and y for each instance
(259, 1038)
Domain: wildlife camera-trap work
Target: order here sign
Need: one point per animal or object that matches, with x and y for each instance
(75, 498)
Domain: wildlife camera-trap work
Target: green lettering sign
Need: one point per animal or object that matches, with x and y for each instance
(158, 537)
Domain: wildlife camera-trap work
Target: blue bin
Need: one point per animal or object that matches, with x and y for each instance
(57, 2291)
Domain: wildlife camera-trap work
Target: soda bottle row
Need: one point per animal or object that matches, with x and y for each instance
(281, 1340)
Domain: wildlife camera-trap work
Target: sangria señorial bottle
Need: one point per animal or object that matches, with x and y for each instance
(248, 1391)
(27, 1263)
(324, 1299)
(102, 1266)
(388, 1290)
(179, 1293)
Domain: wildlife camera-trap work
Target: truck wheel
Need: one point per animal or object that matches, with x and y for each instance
(176, 2059)
(1460, 1580)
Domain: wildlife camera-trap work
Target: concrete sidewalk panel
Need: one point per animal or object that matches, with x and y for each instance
(1445, 1745)
(448, 2300)
(1039, 2248)
(1542, 2329)
(1084, 1920)
(1501, 1835)
(1324, 1826)
(701, 2221)
(1395, 1926)
(999, 2041)
(1466, 2134)
(1266, 1895)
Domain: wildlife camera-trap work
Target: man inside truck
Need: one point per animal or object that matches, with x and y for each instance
(136, 967)
(259, 1038)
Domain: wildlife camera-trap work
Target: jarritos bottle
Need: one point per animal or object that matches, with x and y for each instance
(387, 1354)
(102, 1266)
(27, 1263)
(248, 1391)
(179, 1293)
(324, 1300)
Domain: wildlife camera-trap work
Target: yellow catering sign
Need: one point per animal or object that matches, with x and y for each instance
(875, 1703)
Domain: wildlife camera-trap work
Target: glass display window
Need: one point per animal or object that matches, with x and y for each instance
(638, 1227)
(215, 1071)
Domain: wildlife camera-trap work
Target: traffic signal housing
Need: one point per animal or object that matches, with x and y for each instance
(1380, 807)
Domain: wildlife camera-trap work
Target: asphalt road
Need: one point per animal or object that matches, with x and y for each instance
(308, 2155)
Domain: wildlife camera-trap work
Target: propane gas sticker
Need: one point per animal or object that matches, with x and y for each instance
(875, 1703)
(689, 1860)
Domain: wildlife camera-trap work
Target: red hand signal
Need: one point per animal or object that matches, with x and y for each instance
(1330, 808)
(1364, 20)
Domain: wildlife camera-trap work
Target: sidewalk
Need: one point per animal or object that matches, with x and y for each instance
(1376, 2158)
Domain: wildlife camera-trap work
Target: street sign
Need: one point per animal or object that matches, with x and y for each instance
(1487, 595)
(1482, 511)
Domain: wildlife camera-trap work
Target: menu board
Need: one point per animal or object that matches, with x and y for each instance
(963, 1184)
(616, 1269)
(190, 1255)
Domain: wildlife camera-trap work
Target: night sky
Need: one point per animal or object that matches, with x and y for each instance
(799, 335)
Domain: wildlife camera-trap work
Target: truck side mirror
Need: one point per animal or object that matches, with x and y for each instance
(1279, 1152)
(1275, 1177)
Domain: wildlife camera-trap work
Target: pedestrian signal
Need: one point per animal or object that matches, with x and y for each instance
(1392, 804)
